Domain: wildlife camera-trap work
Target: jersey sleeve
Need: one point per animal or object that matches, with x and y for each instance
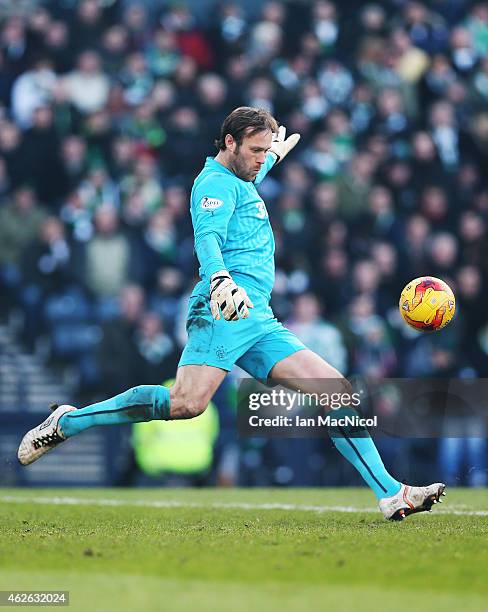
(212, 205)
(266, 167)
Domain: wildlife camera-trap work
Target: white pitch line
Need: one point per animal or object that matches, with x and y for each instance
(77, 501)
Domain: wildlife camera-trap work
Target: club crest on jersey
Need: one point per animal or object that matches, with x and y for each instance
(210, 203)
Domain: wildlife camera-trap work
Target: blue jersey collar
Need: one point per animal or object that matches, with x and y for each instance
(213, 163)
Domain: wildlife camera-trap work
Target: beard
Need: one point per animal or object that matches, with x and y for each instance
(240, 169)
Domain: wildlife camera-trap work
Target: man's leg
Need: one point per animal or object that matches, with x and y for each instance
(194, 387)
(189, 396)
(307, 371)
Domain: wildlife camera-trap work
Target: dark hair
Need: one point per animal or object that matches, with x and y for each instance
(245, 121)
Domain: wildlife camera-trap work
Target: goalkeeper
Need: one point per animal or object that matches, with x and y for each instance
(230, 320)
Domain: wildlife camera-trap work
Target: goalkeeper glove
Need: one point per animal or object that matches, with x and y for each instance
(227, 297)
(281, 147)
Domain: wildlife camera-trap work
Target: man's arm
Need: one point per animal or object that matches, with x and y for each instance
(212, 207)
(209, 254)
(213, 204)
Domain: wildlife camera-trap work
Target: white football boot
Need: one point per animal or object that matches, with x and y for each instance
(410, 500)
(44, 437)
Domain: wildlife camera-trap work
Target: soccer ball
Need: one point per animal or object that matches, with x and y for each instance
(427, 304)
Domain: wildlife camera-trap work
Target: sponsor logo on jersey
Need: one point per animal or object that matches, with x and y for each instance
(210, 203)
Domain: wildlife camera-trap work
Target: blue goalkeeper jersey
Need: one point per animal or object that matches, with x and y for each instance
(232, 228)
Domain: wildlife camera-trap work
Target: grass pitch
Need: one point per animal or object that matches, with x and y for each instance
(242, 549)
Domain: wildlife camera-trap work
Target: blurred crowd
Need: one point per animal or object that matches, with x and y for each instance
(109, 108)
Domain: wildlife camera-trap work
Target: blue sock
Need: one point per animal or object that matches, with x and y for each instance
(356, 445)
(142, 403)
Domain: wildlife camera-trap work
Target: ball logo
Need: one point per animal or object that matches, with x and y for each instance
(210, 203)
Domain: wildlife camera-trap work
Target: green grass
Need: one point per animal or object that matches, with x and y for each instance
(207, 553)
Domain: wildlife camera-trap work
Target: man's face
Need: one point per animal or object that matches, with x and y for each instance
(248, 157)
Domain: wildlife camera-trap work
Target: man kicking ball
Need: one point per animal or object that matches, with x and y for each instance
(235, 247)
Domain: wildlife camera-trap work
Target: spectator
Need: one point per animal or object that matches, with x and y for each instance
(74, 163)
(117, 347)
(319, 335)
(16, 46)
(141, 192)
(191, 41)
(57, 47)
(472, 232)
(470, 293)
(113, 49)
(368, 339)
(443, 254)
(434, 206)
(137, 82)
(87, 25)
(378, 221)
(33, 89)
(40, 157)
(333, 284)
(160, 240)
(476, 23)
(135, 20)
(108, 260)
(212, 97)
(463, 53)
(45, 269)
(185, 147)
(122, 154)
(325, 25)
(20, 221)
(165, 297)
(354, 186)
(156, 350)
(426, 166)
(144, 127)
(414, 245)
(97, 188)
(445, 134)
(86, 87)
(45, 263)
(11, 151)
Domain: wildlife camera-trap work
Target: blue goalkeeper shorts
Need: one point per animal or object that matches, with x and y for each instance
(255, 344)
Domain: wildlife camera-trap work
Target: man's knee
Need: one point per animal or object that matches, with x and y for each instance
(195, 407)
(186, 405)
